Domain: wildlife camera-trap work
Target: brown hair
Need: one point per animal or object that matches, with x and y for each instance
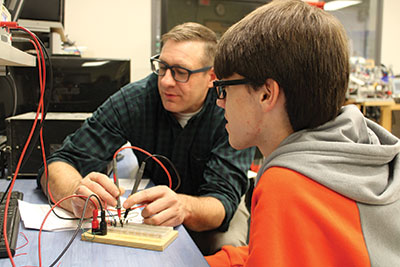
(191, 31)
(301, 47)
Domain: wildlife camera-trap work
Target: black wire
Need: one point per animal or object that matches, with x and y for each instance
(178, 177)
(77, 228)
(36, 132)
(46, 103)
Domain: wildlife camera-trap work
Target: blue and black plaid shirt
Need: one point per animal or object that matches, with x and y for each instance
(200, 151)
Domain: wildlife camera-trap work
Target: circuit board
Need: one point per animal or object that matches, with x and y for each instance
(135, 235)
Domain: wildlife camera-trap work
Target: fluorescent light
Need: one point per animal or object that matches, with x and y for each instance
(338, 4)
(94, 63)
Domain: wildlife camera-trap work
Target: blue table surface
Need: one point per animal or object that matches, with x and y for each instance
(181, 252)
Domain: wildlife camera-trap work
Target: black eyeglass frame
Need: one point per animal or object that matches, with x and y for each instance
(190, 72)
(220, 85)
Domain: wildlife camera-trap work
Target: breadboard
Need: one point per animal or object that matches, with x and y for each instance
(136, 235)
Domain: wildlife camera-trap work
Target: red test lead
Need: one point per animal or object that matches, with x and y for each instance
(8, 24)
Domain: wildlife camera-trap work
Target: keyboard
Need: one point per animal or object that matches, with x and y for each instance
(13, 220)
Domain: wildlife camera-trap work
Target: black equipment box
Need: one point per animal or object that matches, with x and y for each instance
(56, 127)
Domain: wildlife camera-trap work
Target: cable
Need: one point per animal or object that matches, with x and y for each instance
(46, 94)
(78, 228)
(178, 177)
(15, 25)
(44, 112)
(148, 154)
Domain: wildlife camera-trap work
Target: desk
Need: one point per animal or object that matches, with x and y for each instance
(181, 252)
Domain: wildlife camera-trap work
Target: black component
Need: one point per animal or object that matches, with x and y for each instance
(13, 220)
(102, 230)
(103, 223)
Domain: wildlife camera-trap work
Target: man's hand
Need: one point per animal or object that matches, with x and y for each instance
(99, 184)
(164, 206)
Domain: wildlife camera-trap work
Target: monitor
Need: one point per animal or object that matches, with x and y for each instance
(14, 7)
(80, 84)
(43, 10)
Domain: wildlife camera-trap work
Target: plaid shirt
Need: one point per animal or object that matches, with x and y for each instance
(200, 151)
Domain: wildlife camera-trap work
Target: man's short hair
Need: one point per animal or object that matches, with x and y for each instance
(303, 48)
(191, 31)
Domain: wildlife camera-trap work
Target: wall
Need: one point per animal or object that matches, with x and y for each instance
(122, 29)
(391, 34)
(112, 29)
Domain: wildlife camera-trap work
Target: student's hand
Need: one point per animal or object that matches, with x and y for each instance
(99, 184)
(163, 206)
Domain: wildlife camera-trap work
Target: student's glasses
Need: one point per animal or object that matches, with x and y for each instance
(220, 85)
(180, 74)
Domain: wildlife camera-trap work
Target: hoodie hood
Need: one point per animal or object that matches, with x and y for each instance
(351, 155)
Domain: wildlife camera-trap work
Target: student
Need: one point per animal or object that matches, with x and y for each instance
(328, 191)
(171, 112)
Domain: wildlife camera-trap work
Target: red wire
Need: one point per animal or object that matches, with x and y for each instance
(42, 82)
(26, 239)
(47, 215)
(40, 61)
(150, 155)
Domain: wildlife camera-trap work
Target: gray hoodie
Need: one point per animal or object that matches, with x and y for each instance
(359, 159)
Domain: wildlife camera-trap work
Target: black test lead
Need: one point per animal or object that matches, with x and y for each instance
(135, 187)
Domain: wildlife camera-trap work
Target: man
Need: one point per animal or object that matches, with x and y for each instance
(173, 113)
(328, 193)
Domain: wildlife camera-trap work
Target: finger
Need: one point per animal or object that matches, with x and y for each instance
(165, 218)
(172, 222)
(158, 206)
(105, 183)
(99, 190)
(145, 196)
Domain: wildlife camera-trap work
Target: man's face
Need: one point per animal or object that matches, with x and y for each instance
(241, 109)
(184, 97)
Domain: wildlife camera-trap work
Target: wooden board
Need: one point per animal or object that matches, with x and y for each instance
(129, 240)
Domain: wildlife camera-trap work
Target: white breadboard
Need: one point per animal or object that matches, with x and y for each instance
(139, 229)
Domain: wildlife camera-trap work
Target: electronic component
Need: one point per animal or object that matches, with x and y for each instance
(96, 228)
(136, 235)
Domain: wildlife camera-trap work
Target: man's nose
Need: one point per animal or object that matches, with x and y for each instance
(168, 79)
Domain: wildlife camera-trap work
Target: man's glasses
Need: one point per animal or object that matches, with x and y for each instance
(220, 85)
(180, 74)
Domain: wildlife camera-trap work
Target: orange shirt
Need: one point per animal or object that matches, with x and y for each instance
(296, 221)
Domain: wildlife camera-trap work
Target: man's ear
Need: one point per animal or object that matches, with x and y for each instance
(269, 94)
(212, 77)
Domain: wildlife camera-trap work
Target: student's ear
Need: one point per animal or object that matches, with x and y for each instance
(212, 77)
(269, 94)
